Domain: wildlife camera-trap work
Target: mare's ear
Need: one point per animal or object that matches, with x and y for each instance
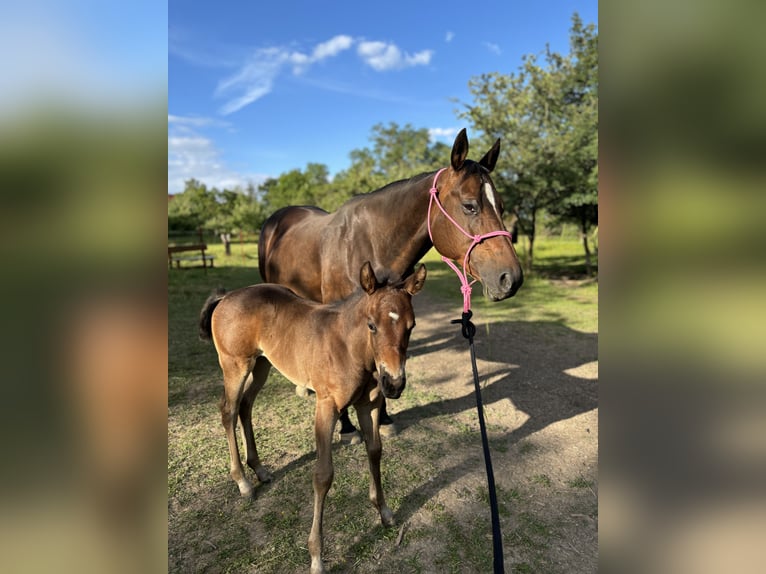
(367, 278)
(490, 158)
(415, 282)
(459, 150)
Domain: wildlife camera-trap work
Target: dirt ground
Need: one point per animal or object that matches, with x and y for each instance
(540, 393)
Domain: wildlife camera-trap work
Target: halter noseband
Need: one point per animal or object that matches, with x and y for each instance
(465, 287)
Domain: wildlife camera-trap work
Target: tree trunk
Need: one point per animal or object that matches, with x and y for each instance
(584, 230)
(531, 236)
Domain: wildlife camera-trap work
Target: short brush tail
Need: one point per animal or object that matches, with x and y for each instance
(206, 315)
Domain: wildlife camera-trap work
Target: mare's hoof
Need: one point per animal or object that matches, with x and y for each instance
(352, 437)
(388, 430)
(263, 475)
(387, 517)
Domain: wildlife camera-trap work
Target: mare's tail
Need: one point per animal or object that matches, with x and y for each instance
(205, 316)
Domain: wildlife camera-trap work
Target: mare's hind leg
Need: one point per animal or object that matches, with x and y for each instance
(252, 388)
(368, 412)
(236, 372)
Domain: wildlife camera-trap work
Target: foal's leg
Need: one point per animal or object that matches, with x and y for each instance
(252, 388)
(324, 424)
(236, 372)
(367, 412)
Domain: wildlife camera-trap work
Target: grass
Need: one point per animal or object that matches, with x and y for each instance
(432, 478)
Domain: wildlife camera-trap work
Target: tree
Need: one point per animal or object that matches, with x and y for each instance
(397, 153)
(547, 117)
(296, 187)
(191, 209)
(579, 202)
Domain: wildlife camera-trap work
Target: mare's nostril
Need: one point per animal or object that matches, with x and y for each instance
(506, 282)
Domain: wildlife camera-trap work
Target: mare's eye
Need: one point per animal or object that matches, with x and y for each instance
(470, 207)
(371, 326)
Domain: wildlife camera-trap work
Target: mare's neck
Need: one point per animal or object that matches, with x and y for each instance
(403, 207)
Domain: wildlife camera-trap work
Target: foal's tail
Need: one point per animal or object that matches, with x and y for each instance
(205, 316)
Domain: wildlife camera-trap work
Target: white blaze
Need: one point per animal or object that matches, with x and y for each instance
(490, 196)
(394, 316)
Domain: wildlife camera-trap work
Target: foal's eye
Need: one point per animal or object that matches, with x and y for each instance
(471, 207)
(371, 326)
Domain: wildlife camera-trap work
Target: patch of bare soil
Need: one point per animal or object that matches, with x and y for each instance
(540, 393)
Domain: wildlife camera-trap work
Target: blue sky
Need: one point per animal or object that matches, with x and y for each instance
(256, 89)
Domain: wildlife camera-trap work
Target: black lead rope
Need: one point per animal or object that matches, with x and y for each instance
(469, 330)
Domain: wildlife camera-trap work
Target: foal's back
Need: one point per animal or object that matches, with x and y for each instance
(271, 321)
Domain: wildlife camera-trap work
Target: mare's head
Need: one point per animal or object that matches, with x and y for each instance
(390, 320)
(469, 196)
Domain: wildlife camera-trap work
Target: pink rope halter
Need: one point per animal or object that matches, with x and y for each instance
(465, 286)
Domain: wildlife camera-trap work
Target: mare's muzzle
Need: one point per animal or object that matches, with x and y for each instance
(391, 386)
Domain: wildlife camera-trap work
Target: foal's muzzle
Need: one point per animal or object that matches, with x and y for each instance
(391, 386)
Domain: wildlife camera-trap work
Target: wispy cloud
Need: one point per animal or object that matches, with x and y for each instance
(492, 47)
(449, 36)
(383, 56)
(255, 77)
(191, 154)
(442, 133)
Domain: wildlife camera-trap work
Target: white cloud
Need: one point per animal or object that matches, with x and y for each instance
(194, 155)
(255, 78)
(332, 47)
(449, 36)
(382, 56)
(492, 47)
(442, 133)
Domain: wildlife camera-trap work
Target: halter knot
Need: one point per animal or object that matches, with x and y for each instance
(463, 276)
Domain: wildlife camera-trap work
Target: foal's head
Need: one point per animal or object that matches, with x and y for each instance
(390, 320)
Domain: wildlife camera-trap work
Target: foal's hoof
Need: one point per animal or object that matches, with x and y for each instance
(388, 430)
(302, 392)
(352, 437)
(246, 490)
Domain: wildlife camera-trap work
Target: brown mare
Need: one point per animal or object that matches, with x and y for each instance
(351, 352)
(317, 254)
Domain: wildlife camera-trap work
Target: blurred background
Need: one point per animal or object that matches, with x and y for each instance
(83, 127)
(83, 111)
(682, 333)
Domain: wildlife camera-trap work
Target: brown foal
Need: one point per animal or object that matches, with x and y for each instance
(351, 352)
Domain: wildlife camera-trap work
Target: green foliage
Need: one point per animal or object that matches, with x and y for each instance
(296, 187)
(547, 116)
(397, 153)
(220, 211)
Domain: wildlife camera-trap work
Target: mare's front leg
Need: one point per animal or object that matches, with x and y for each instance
(368, 412)
(324, 424)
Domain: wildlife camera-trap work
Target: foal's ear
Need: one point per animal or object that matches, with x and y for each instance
(490, 158)
(367, 278)
(459, 150)
(415, 282)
